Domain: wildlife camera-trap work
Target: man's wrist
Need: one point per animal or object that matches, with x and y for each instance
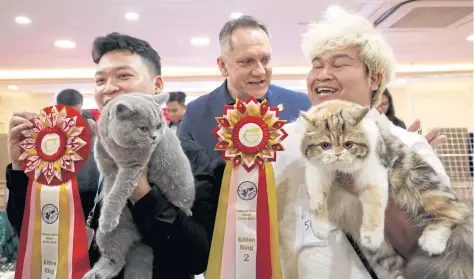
(139, 193)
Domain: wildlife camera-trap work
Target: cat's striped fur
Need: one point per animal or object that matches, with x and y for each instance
(413, 184)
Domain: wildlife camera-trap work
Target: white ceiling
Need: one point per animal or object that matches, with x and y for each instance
(170, 24)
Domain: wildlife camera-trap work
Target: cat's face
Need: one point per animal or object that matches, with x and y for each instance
(136, 120)
(334, 136)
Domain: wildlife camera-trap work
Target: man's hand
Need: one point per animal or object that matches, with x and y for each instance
(434, 137)
(143, 187)
(93, 126)
(399, 231)
(19, 123)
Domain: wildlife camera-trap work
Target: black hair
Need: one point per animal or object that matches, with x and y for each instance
(117, 41)
(69, 97)
(177, 96)
(391, 109)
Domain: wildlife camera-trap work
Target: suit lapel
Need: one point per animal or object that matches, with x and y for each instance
(274, 99)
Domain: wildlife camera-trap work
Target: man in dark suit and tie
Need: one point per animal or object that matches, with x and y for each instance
(245, 62)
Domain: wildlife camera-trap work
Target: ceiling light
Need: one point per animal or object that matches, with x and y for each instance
(334, 10)
(235, 15)
(12, 87)
(22, 20)
(131, 16)
(65, 44)
(200, 41)
(470, 38)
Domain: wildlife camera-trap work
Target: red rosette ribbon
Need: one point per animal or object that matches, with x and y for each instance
(250, 133)
(53, 240)
(249, 136)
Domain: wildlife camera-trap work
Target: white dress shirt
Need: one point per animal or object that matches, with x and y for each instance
(303, 255)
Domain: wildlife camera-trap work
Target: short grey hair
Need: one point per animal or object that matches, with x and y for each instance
(230, 26)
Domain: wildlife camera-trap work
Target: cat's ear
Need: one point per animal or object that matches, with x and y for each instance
(305, 116)
(123, 110)
(161, 98)
(358, 113)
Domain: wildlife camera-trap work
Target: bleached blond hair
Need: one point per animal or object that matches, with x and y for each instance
(340, 29)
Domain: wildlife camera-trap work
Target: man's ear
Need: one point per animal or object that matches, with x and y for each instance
(158, 81)
(375, 81)
(123, 110)
(222, 66)
(161, 98)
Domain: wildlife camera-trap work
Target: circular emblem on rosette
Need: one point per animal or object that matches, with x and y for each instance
(57, 146)
(249, 133)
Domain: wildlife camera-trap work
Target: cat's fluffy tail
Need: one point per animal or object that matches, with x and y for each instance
(455, 263)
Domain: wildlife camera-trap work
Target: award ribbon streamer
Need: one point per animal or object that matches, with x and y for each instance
(245, 240)
(53, 243)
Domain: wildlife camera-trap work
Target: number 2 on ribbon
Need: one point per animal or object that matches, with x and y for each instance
(246, 257)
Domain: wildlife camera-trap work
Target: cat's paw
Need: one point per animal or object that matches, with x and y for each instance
(93, 274)
(372, 239)
(317, 204)
(107, 225)
(104, 269)
(188, 212)
(433, 241)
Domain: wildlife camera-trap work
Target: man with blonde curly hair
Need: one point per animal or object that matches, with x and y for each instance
(350, 61)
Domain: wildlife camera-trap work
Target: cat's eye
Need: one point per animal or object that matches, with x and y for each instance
(348, 144)
(325, 145)
(159, 126)
(143, 129)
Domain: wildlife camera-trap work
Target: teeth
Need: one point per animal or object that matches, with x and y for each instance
(325, 90)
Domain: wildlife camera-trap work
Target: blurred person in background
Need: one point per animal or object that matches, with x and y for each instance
(245, 60)
(176, 107)
(385, 106)
(70, 98)
(73, 98)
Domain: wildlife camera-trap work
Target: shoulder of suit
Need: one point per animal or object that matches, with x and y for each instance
(204, 98)
(200, 101)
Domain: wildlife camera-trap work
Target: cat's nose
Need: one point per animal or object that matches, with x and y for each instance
(153, 137)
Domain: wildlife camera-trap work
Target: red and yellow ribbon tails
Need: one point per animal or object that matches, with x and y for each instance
(53, 242)
(245, 240)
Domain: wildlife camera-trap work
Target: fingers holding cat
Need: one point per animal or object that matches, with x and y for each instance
(19, 123)
(93, 126)
(434, 137)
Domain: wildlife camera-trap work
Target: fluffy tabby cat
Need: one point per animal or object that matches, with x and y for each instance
(355, 165)
(132, 135)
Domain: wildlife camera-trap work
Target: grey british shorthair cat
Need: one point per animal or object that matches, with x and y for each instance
(132, 135)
